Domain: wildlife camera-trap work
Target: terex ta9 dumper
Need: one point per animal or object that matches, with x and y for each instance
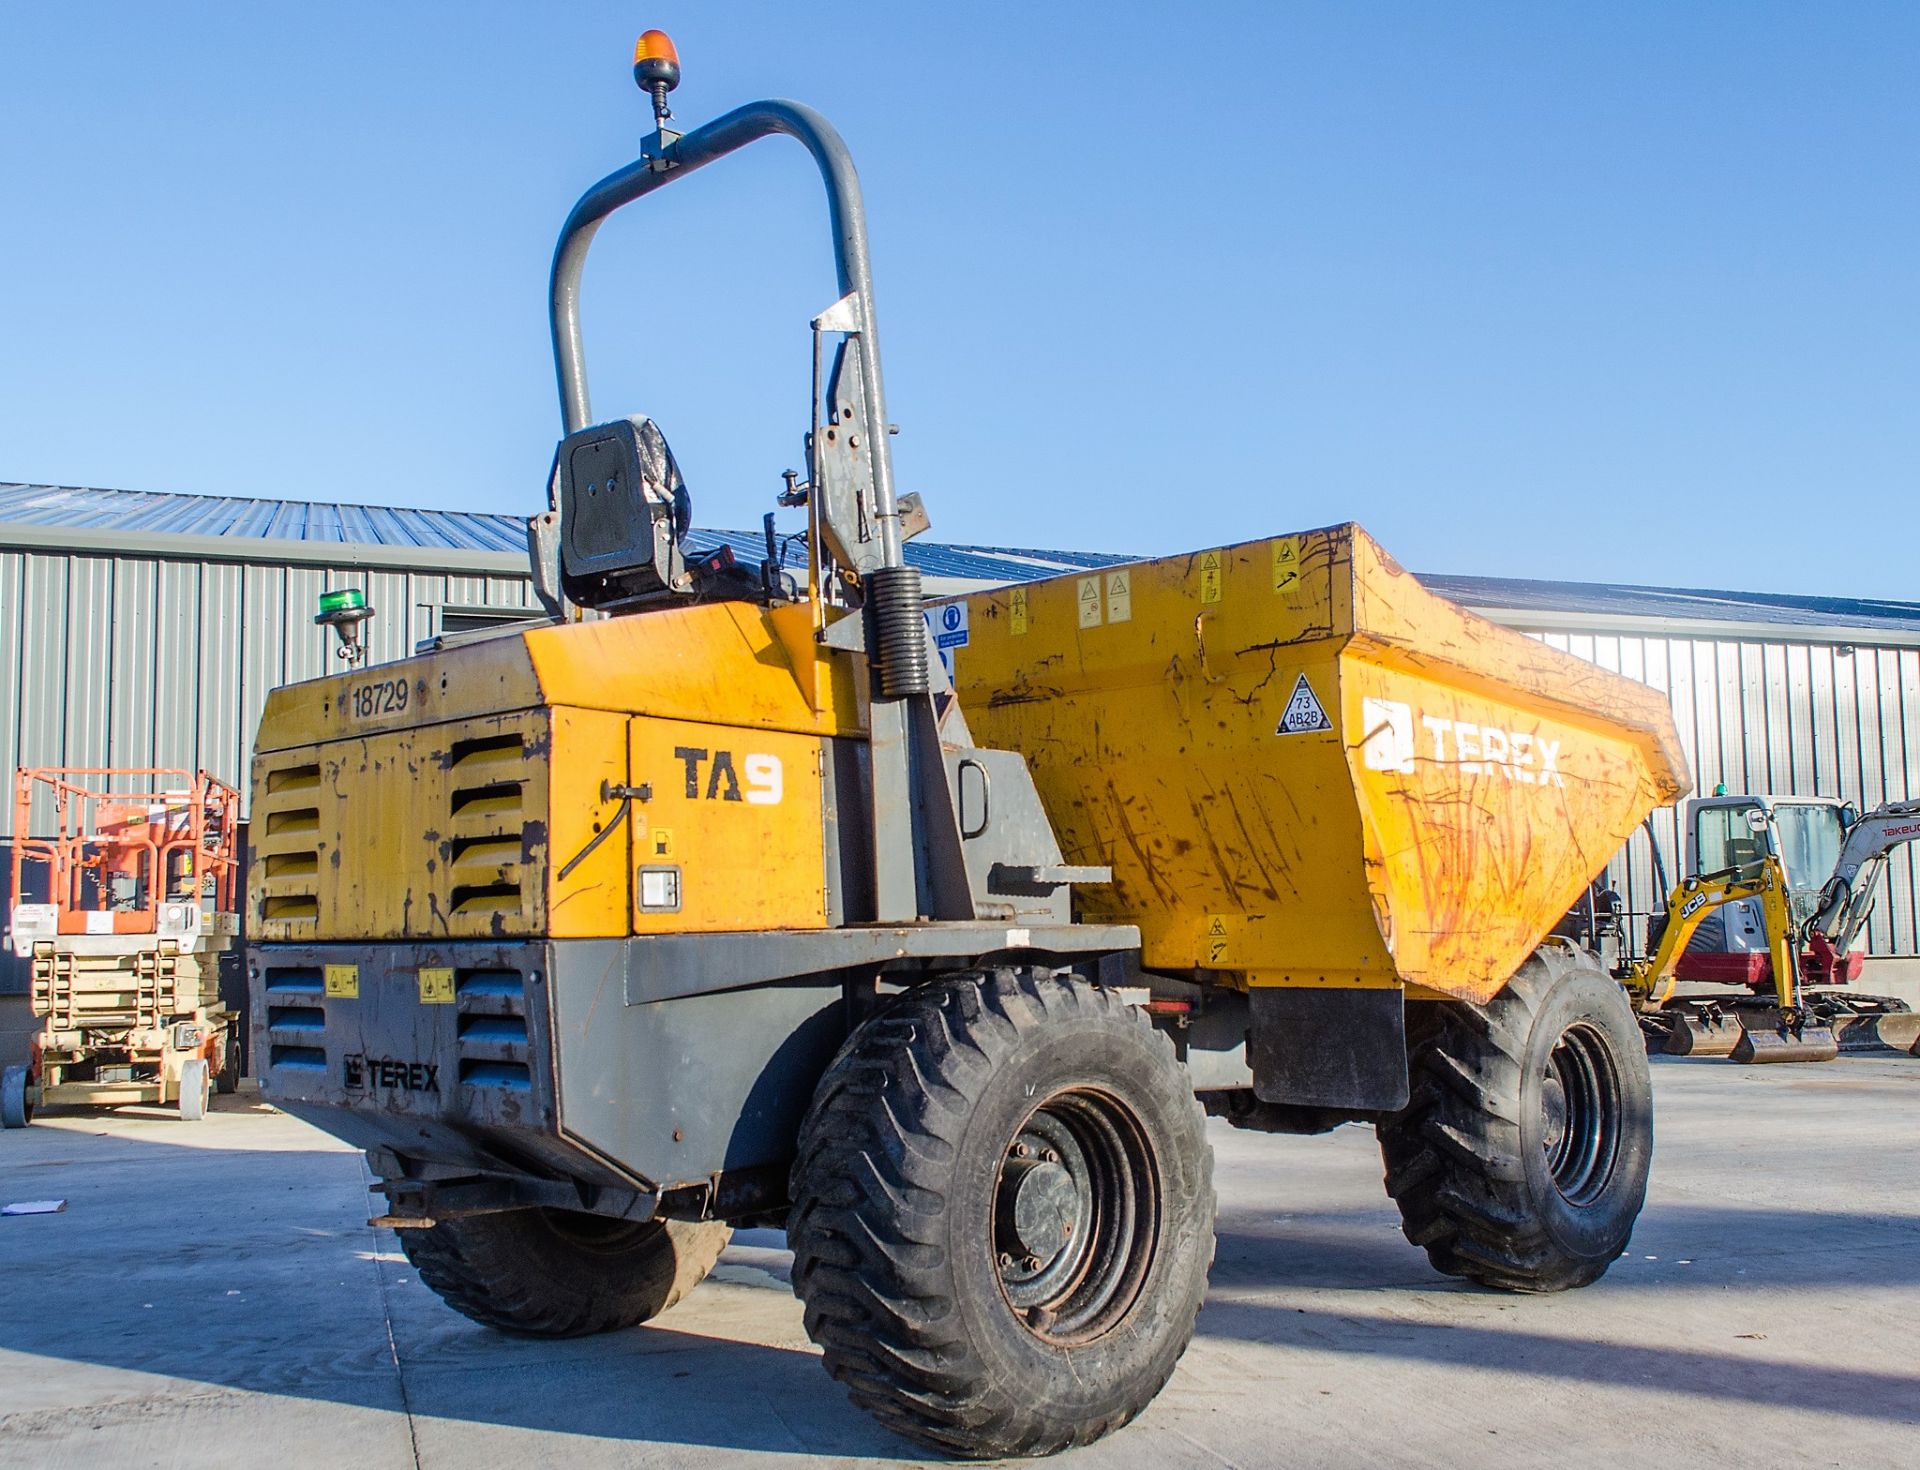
(699, 905)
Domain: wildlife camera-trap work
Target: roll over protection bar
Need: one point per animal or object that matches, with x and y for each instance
(670, 160)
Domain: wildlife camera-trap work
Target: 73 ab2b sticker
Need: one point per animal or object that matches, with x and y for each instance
(1304, 714)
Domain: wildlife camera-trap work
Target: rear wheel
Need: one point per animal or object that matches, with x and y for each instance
(1003, 1214)
(562, 1273)
(1521, 1158)
(16, 1105)
(227, 1080)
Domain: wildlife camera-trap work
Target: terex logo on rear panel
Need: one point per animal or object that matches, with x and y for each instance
(1396, 737)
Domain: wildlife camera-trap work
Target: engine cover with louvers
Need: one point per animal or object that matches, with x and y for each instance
(477, 793)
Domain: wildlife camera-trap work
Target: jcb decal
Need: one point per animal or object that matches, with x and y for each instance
(765, 781)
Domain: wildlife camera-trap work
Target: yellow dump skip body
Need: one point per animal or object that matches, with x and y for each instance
(1307, 770)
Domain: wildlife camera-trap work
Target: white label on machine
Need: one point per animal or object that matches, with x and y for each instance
(1089, 602)
(1389, 734)
(951, 629)
(1304, 714)
(99, 923)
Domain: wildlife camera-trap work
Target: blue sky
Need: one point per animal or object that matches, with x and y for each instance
(1623, 292)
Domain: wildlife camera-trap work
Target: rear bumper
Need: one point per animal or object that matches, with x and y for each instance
(540, 1058)
(650, 1064)
(437, 1052)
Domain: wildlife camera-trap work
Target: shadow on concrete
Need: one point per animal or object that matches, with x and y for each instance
(1721, 1246)
(1720, 1376)
(254, 1270)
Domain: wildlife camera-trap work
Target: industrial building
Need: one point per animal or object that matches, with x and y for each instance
(146, 629)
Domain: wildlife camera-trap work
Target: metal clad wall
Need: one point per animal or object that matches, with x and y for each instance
(1792, 718)
(129, 659)
(117, 660)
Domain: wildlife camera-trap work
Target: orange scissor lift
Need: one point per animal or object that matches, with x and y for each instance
(124, 914)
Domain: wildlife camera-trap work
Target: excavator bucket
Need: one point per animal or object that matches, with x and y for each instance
(1899, 1031)
(1701, 1032)
(1873, 1031)
(1305, 770)
(1783, 1037)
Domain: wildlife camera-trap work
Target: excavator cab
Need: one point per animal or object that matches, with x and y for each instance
(1735, 832)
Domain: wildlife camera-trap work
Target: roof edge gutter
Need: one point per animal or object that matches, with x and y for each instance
(1710, 630)
(167, 545)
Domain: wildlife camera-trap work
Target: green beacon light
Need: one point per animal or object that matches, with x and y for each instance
(344, 609)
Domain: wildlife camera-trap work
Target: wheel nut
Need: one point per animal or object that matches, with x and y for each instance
(1032, 1263)
(1021, 1151)
(1052, 1156)
(1006, 1261)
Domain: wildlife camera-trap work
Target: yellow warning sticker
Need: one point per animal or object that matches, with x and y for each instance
(1017, 614)
(1089, 602)
(1219, 940)
(660, 842)
(1211, 575)
(343, 982)
(436, 987)
(1119, 597)
(1286, 564)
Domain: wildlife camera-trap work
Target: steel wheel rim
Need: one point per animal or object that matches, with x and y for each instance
(1580, 1095)
(1084, 1155)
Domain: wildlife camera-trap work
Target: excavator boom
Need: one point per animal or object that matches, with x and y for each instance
(1847, 897)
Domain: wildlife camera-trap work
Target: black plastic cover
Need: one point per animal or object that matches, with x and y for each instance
(623, 511)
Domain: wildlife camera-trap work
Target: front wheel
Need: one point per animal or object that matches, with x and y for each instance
(196, 1087)
(1003, 1214)
(1521, 1158)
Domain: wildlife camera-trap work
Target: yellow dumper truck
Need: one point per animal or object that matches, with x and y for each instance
(714, 900)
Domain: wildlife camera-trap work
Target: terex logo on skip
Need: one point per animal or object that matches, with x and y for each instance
(1393, 744)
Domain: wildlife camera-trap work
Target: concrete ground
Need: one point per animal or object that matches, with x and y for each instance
(213, 1297)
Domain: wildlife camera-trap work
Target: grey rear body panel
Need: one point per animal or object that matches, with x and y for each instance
(643, 1063)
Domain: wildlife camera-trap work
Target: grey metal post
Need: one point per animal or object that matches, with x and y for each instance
(696, 149)
(909, 798)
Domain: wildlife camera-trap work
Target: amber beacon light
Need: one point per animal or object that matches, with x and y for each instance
(656, 68)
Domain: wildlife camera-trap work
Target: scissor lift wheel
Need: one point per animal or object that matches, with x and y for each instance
(16, 1103)
(196, 1085)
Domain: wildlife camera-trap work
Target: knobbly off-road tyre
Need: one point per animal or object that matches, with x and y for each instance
(1521, 1159)
(1003, 1214)
(561, 1273)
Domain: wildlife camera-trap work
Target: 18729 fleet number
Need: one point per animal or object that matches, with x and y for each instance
(381, 697)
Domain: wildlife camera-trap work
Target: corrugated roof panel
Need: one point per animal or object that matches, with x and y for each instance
(279, 520)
